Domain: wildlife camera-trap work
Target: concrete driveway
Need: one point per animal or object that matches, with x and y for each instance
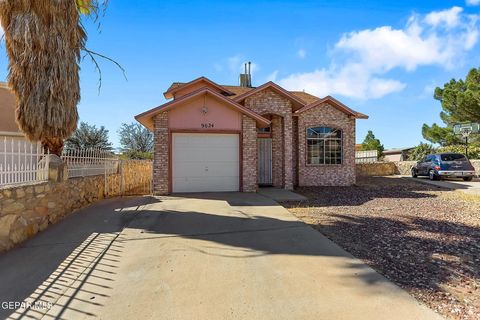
(468, 187)
(210, 256)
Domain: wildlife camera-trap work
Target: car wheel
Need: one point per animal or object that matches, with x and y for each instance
(467, 178)
(414, 173)
(432, 176)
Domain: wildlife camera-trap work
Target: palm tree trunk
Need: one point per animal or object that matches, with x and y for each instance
(54, 145)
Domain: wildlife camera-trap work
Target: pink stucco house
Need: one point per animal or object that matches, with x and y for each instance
(212, 137)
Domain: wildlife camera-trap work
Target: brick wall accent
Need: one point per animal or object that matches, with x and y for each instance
(277, 151)
(295, 150)
(326, 175)
(161, 159)
(269, 102)
(288, 143)
(249, 154)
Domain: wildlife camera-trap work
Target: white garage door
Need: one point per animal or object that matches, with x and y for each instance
(205, 162)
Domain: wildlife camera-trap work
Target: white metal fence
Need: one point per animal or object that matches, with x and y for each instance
(89, 162)
(22, 161)
(368, 156)
(25, 162)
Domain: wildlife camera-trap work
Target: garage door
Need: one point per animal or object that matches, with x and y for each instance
(205, 162)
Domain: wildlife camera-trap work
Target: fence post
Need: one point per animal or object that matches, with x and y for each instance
(122, 178)
(106, 186)
(57, 170)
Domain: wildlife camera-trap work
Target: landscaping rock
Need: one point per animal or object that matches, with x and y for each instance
(423, 238)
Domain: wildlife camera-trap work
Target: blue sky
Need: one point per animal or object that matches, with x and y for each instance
(383, 58)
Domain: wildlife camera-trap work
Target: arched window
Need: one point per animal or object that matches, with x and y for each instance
(324, 145)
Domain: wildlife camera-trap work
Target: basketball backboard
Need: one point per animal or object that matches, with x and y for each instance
(466, 128)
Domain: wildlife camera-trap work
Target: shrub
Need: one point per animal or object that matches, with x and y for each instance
(420, 151)
(137, 155)
(473, 150)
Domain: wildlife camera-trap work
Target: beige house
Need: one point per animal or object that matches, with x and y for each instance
(13, 144)
(398, 154)
(212, 137)
(8, 127)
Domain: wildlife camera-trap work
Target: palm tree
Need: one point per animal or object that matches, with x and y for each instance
(44, 39)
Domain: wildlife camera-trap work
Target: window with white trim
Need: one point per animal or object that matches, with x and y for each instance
(324, 145)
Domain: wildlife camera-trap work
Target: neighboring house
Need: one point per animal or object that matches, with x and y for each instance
(398, 154)
(213, 137)
(14, 147)
(8, 126)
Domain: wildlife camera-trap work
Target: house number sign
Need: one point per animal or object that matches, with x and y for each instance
(207, 125)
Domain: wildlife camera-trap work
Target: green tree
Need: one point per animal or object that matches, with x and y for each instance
(473, 151)
(372, 143)
(420, 151)
(443, 136)
(89, 136)
(460, 101)
(136, 141)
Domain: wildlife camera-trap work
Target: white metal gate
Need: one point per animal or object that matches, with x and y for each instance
(264, 147)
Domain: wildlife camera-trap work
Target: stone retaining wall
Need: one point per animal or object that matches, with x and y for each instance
(476, 165)
(394, 168)
(404, 167)
(28, 209)
(375, 169)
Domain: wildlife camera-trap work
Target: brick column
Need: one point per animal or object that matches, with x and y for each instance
(249, 155)
(277, 152)
(288, 147)
(161, 159)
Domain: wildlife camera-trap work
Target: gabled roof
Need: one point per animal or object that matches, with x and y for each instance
(176, 86)
(239, 90)
(305, 96)
(299, 103)
(397, 150)
(334, 103)
(146, 118)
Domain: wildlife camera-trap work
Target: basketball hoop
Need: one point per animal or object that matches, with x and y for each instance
(465, 130)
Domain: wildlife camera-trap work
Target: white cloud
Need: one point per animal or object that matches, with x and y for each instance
(362, 59)
(472, 2)
(233, 62)
(428, 90)
(450, 17)
(349, 83)
(235, 65)
(273, 76)
(301, 53)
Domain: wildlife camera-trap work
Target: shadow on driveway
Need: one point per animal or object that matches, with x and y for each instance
(82, 266)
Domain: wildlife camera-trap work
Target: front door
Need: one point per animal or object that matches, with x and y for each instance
(264, 146)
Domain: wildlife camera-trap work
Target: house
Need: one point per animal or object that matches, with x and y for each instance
(11, 138)
(16, 152)
(8, 126)
(212, 137)
(398, 154)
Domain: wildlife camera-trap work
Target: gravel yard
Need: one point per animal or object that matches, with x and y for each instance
(425, 239)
